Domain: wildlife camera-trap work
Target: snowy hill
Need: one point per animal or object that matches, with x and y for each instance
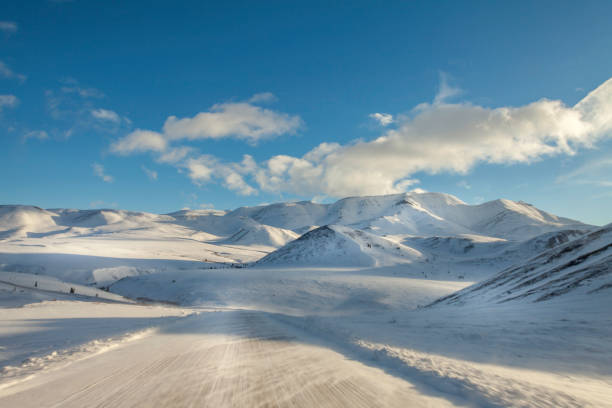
(464, 241)
(581, 267)
(18, 220)
(254, 233)
(285, 215)
(423, 214)
(341, 246)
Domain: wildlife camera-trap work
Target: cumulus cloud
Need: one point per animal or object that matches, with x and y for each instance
(8, 27)
(8, 73)
(174, 155)
(8, 101)
(383, 119)
(99, 171)
(241, 120)
(105, 115)
(443, 137)
(433, 138)
(140, 141)
(205, 168)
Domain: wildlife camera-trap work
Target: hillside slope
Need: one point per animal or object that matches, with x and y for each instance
(579, 268)
(336, 245)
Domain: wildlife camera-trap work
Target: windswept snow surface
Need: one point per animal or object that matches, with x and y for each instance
(304, 304)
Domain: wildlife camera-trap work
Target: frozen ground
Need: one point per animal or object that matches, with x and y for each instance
(112, 308)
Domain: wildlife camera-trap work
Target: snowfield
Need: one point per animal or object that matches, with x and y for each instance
(413, 299)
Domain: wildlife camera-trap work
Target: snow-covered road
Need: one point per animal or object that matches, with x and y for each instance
(218, 359)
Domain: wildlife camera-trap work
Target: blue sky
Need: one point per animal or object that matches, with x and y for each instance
(156, 106)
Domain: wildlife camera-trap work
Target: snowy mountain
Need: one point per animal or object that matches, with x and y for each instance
(579, 267)
(421, 214)
(341, 246)
(424, 214)
(428, 228)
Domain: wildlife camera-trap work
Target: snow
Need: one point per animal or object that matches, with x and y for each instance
(581, 267)
(414, 299)
(51, 334)
(341, 246)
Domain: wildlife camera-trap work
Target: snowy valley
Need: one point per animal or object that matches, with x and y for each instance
(448, 304)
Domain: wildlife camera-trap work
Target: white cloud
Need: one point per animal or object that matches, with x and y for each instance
(264, 97)
(442, 137)
(36, 134)
(8, 73)
(72, 108)
(239, 120)
(105, 114)
(383, 119)
(436, 137)
(445, 91)
(174, 155)
(140, 141)
(151, 174)
(205, 168)
(199, 172)
(8, 101)
(99, 171)
(9, 27)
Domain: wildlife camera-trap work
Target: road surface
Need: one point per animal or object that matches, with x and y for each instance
(218, 359)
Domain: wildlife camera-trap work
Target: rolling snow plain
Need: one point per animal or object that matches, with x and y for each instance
(413, 299)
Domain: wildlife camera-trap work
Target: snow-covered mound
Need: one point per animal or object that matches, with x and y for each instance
(336, 245)
(18, 220)
(23, 220)
(254, 233)
(581, 267)
(285, 215)
(237, 229)
(203, 220)
(103, 217)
